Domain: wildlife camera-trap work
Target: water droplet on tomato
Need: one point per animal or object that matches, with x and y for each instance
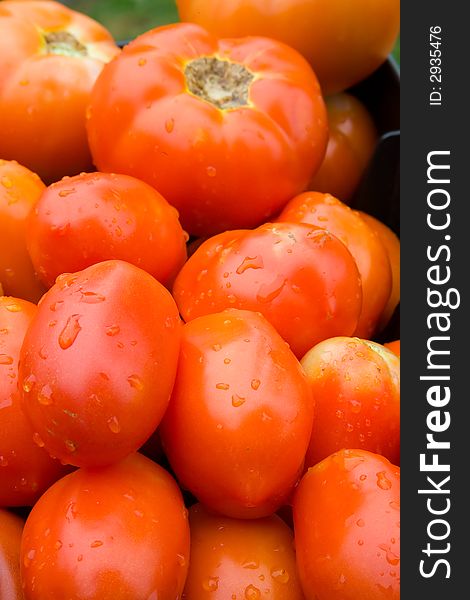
(28, 383)
(237, 400)
(65, 193)
(222, 386)
(38, 440)
(255, 383)
(69, 333)
(252, 593)
(280, 575)
(382, 481)
(136, 382)
(170, 125)
(45, 395)
(92, 298)
(114, 425)
(211, 584)
(96, 544)
(70, 446)
(270, 291)
(250, 262)
(211, 171)
(5, 359)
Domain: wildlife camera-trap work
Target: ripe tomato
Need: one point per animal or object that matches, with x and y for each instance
(50, 57)
(327, 212)
(11, 528)
(92, 217)
(20, 189)
(347, 528)
(392, 245)
(356, 387)
(98, 363)
(240, 416)
(351, 144)
(394, 346)
(344, 41)
(300, 277)
(209, 122)
(235, 558)
(116, 533)
(26, 470)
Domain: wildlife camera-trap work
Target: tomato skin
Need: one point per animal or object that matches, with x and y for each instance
(351, 144)
(233, 558)
(20, 189)
(94, 217)
(104, 534)
(26, 470)
(394, 346)
(344, 41)
(123, 330)
(11, 529)
(45, 91)
(365, 245)
(240, 417)
(391, 243)
(301, 278)
(356, 387)
(347, 528)
(214, 164)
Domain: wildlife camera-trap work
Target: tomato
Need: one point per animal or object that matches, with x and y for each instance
(394, 346)
(344, 41)
(391, 243)
(240, 416)
(11, 528)
(50, 57)
(347, 528)
(20, 189)
(234, 558)
(209, 122)
(300, 277)
(327, 212)
(98, 363)
(92, 217)
(116, 533)
(26, 470)
(351, 144)
(356, 387)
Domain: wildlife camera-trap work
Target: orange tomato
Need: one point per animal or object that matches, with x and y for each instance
(50, 57)
(11, 528)
(394, 346)
(20, 189)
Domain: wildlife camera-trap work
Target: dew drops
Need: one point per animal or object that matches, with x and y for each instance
(394, 504)
(237, 400)
(250, 564)
(3, 461)
(222, 386)
(6, 182)
(363, 477)
(211, 171)
(142, 62)
(58, 545)
(270, 291)
(280, 575)
(339, 414)
(45, 396)
(38, 440)
(392, 558)
(382, 481)
(43, 353)
(181, 560)
(69, 333)
(70, 446)
(252, 593)
(216, 347)
(227, 361)
(29, 557)
(114, 425)
(355, 406)
(349, 427)
(92, 298)
(28, 383)
(360, 542)
(360, 523)
(250, 262)
(96, 544)
(211, 584)
(255, 383)
(5, 359)
(67, 192)
(170, 125)
(80, 557)
(113, 330)
(136, 382)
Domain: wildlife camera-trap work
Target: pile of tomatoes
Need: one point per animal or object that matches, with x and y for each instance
(194, 403)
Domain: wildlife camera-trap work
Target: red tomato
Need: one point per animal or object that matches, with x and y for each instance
(92, 217)
(20, 189)
(98, 363)
(240, 416)
(391, 243)
(347, 528)
(235, 558)
(26, 470)
(115, 533)
(327, 212)
(394, 346)
(300, 277)
(11, 528)
(351, 144)
(209, 122)
(344, 41)
(50, 57)
(356, 387)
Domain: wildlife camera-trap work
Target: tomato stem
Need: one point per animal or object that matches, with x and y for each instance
(64, 43)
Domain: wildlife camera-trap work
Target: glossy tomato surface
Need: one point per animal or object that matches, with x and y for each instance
(92, 217)
(26, 470)
(240, 559)
(356, 387)
(351, 143)
(20, 189)
(208, 122)
(11, 529)
(344, 41)
(347, 528)
(98, 363)
(50, 57)
(240, 416)
(116, 533)
(300, 277)
(365, 245)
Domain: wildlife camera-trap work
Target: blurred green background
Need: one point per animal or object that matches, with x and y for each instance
(127, 18)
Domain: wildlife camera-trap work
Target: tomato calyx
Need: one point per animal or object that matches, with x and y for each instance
(223, 83)
(63, 43)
